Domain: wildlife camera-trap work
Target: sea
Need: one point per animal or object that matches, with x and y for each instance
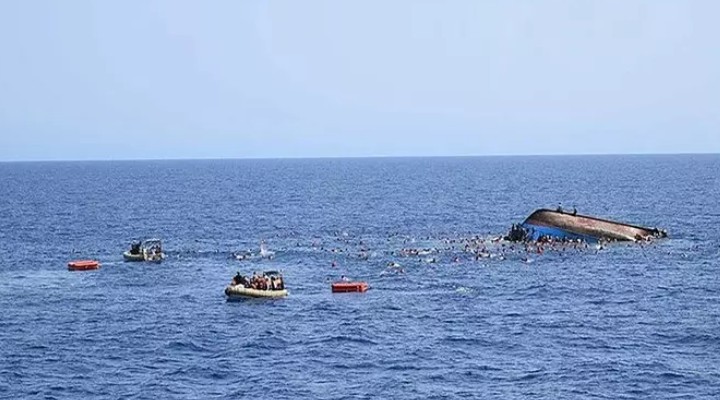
(623, 321)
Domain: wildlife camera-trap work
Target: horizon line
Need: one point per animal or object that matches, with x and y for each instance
(356, 157)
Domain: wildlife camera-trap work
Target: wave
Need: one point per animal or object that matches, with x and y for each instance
(343, 339)
(186, 346)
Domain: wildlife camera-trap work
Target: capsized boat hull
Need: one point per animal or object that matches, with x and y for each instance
(241, 292)
(562, 225)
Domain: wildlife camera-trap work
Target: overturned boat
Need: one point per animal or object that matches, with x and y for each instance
(561, 225)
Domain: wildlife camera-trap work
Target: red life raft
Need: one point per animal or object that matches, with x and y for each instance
(349, 287)
(83, 265)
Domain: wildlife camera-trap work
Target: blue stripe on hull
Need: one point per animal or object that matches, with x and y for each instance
(535, 232)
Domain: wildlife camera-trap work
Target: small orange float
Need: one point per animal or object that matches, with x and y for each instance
(349, 287)
(83, 265)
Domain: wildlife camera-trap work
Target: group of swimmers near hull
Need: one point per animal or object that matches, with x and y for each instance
(448, 249)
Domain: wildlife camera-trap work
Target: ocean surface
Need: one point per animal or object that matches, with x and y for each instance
(624, 322)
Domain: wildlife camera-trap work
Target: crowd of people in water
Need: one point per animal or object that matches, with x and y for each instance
(399, 252)
(429, 250)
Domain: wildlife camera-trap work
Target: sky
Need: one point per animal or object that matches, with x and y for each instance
(146, 79)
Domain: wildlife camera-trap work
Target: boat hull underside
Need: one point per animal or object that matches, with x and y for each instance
(571, 226)
(535, 232)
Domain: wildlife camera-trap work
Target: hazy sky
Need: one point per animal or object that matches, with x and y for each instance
(214, 79)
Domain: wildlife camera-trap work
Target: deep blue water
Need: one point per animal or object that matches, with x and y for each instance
(624, 322)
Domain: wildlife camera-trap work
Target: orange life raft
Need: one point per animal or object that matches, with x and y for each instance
(349, 287)
(83, 265)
